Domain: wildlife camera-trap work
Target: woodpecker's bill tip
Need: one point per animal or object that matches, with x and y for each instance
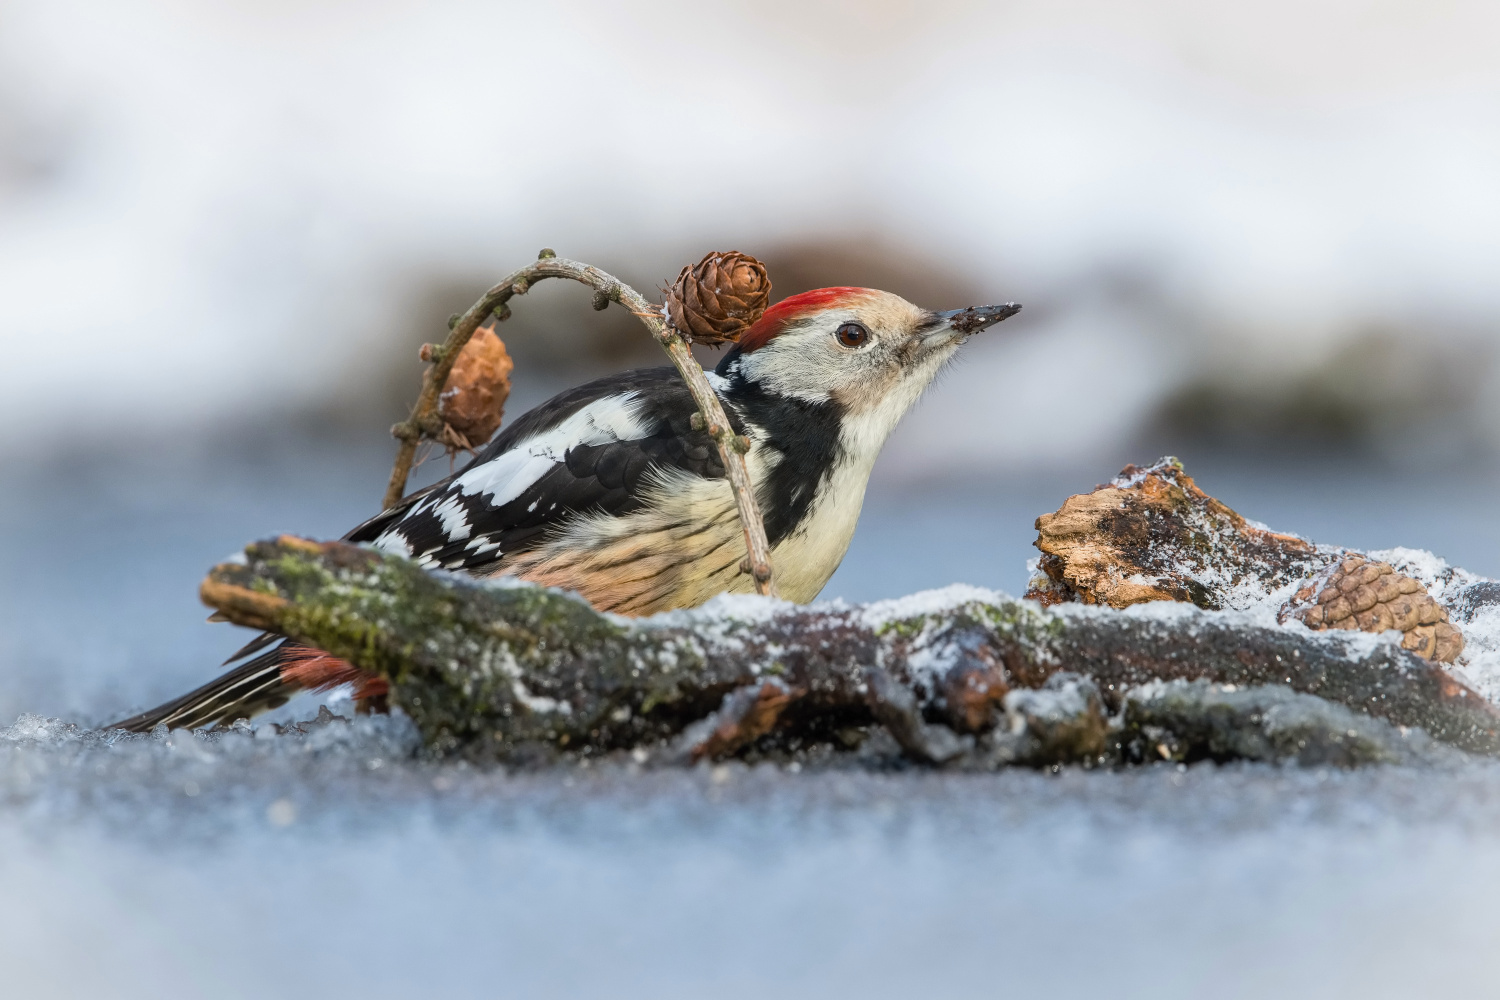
(976, 318)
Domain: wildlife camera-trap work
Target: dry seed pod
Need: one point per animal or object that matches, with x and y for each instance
(717, 299)
(1373, 597)
(472, 403)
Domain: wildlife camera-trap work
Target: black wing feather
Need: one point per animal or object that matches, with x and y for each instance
(608, 478)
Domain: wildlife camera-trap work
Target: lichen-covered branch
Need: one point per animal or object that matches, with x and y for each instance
(517, 672)
(424, 421)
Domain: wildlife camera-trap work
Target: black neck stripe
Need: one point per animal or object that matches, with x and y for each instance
(805, 434)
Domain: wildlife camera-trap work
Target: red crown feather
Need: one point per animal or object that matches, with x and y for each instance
(795, 307)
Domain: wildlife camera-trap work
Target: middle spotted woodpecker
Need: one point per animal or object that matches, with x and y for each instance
(615, 491)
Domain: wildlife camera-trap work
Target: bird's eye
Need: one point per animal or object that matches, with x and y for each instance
(852, 335)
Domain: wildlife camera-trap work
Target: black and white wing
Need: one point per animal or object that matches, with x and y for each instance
(590, 450)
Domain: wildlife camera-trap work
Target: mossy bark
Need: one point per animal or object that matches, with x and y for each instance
(520, 673)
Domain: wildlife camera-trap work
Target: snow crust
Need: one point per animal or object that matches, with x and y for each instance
(133, 866)
(927, 602)
(739, 609)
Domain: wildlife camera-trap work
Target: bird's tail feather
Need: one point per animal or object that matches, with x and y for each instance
(261, 683)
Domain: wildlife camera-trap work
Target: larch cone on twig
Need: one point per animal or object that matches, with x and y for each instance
(472, 403)
(717, 299)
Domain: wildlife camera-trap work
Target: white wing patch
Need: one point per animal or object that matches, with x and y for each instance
(455, 519)
(393, 542)
(507, 476)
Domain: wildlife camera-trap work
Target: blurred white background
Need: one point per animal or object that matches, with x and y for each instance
(1236, 219)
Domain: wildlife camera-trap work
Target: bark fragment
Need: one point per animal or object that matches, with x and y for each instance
(746, 714)
(1152, 535)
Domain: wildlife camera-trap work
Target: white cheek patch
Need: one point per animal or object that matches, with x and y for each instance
(801, 361)
(507, 476)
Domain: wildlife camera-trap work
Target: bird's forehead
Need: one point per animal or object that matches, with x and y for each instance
(886, 312)
(876, 309)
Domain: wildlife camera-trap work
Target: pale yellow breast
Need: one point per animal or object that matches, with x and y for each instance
(687, 549)
(806, 559)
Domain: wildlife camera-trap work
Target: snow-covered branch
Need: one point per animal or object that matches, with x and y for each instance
(961, 677)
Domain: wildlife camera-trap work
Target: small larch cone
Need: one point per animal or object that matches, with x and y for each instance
(1373, 597)
(718, 298)
(472, 403)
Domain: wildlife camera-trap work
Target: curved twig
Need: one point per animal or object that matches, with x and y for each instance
(424, 420)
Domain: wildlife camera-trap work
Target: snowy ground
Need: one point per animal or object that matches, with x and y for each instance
(327, 865)
(331, 863)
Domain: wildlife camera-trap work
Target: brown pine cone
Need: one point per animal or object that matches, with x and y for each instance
(472, 402)
(1373, 597)
(717, 299)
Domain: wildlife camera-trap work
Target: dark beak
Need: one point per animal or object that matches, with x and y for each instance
(965, 322)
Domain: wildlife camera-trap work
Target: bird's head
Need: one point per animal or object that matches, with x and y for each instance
(866, 351)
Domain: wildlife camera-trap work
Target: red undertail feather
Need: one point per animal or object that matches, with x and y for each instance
(795, 307)
(315, 670)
